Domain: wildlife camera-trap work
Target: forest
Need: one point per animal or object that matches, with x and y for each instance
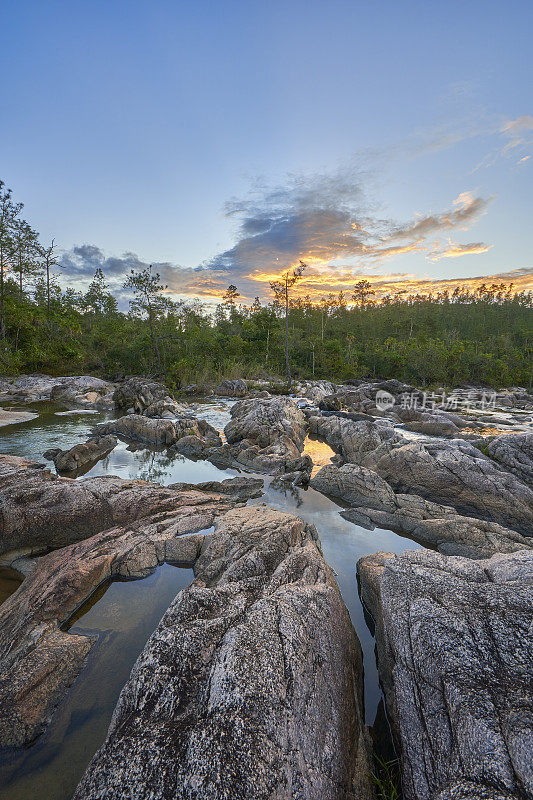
(480, 336)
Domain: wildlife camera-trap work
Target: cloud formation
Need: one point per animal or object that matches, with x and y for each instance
(455, 250)
(326, 219)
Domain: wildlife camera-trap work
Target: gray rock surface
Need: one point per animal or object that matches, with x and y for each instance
(449, 472)
(139, 393)
(373, 503)
(240, 489)
(235, 388)
(83, 391)
(515, 454)
(164, 432)
(80, 390)
(250, 688)
(455, 648)
(455, 473)
(359, 442)
(356, 486)
(82, 455)
(9, 417)
(265, 435)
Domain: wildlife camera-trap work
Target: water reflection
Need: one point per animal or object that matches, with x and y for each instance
(121, 615)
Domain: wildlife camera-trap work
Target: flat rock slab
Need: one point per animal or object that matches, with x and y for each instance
(455, 649)
(8, 417)
(251, 685)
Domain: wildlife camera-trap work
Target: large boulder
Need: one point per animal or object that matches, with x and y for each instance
(515, 453)
(140, 393)
(251, 685)
(9, 417)
(315, 391)
(78, 390)
(450, 472)
(240, 489)
(83, 391)
(164, 432)
(355, 486)
(454, 651)
(39, 660)
(83, 455)
(357, 441)
(456, 473)
(266, 435)
(235, 388)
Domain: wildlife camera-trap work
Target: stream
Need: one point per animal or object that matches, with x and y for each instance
(123, 614)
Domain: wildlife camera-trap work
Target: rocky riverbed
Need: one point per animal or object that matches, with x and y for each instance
(252, 685)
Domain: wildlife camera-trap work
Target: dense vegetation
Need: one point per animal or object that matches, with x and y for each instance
(481, 336)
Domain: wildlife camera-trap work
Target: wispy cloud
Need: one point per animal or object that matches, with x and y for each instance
(455, 250)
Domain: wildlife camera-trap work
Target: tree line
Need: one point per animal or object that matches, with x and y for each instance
(480, 335)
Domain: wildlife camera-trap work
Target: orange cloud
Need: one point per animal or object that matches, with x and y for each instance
(455, 250)
(318, 283)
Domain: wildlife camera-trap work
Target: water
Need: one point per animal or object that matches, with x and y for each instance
(122, 615)
(82, 719)
(9, 582)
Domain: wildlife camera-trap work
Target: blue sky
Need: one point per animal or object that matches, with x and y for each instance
(224, 141)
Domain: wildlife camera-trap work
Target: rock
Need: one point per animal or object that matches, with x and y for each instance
(314, 391)
(268, 434)
(362, 397)
(40, 511)
(84, 391)
(165, 409)
(438, 416)
(239, 489)
(82, 455)
(515, 454)
(455, 473)
(8, 417)
(441, 528)
(454, 649)
(140, 429)
(237, 388)
(160, 431)
(251, 685)
(140, 394)
(438, 526)
(38, 660)
(80, 390)
(450, 472)
(360, 442)
(355, 486)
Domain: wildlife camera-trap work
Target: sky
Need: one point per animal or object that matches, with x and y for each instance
(224, 142)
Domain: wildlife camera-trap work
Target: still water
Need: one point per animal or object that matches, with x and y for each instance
(126, 614)
(121, 616)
